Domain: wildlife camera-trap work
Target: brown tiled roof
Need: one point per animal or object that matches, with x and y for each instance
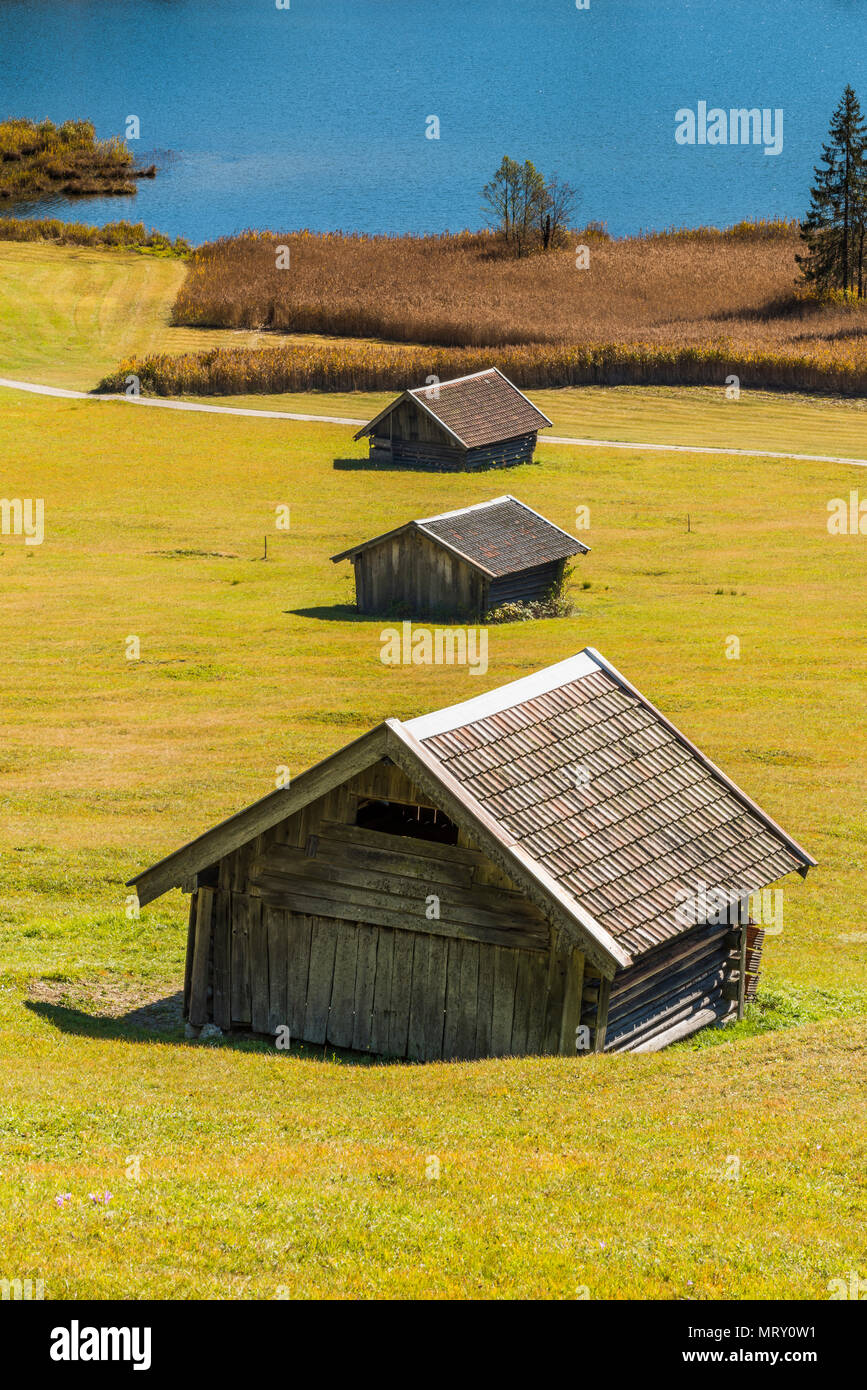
(481, 409)
(484, 408)
(596, 786)
(502, 536)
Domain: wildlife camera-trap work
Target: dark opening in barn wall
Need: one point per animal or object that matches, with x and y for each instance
(400, 818)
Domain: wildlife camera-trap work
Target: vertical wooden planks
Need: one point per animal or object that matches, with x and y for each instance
(558, 969)
(521, 1018)
(342, 1006)
(537, 971)
(564, 989)
(453, 1001)
(415, 1047)
(380, 1018)
(298, 932)
(572, 1005)
(401, 986)
(276, 931)
(258, 949)
(201, 957)
(602, 1015)
(323, 943)
(240, 959)
(435, 1002)
(485, 1004)
(365, 979)
(465, 1043)
(222, 920)
(191, 946)
(505, 975)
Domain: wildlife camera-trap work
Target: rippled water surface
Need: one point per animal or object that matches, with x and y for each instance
(316, 115)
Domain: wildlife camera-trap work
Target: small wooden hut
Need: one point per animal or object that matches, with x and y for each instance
(525, 872)
(461, 564)
(477, 421)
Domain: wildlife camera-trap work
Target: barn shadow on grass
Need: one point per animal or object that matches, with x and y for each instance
(161, 1022)
(368, 465)
(330, 613)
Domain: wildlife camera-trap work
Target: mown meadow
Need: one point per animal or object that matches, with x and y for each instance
(239, 1171)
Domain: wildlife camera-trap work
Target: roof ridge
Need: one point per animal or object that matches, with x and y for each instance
(503, 697)
(473, 507)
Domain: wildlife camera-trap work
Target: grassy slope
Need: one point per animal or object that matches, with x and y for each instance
(606, 1174)
(67, 315)
(653, 415)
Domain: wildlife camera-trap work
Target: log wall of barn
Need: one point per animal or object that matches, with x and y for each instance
(505, 453)
(525, 586)
(409, 436)
(328, 929)
(672, 988)
(409, 575)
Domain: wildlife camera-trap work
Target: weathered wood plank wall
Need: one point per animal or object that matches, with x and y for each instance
(325, 928)
(411, 574)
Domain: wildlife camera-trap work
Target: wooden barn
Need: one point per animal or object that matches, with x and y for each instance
(478, 421)
(526, 872)
(461, 564)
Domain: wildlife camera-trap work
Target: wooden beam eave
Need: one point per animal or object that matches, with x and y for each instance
(253, 820)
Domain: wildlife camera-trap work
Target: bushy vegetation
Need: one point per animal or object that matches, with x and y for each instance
(128, 236)
(553, 604)
(349, 366)
(529, 212)
(46, 158)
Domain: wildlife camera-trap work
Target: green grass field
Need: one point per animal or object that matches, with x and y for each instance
(266, 1174)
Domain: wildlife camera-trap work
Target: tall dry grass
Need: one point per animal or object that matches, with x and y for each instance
(678, 290)
(379, 367)
(125, 236)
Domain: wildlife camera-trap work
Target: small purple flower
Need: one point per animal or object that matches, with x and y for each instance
(62, 1198)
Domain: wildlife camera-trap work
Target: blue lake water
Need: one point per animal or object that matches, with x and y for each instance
(315, 116)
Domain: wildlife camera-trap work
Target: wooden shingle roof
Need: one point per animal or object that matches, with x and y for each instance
(484, 408)
(606, 816)
(605, 795)
(499, 537)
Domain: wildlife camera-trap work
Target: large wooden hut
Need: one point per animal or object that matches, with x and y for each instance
(477, 421)
(462, 563)
(525, 872)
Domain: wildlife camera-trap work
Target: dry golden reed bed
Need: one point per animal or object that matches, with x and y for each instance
(685, 307)
(380, 367)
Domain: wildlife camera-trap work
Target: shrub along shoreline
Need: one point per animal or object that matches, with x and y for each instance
(381, 367)
(125, 236)
(36, 159)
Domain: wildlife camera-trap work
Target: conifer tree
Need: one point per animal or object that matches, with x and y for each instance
(835, 229)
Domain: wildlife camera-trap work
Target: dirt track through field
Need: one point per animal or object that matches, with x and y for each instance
(35, 389)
